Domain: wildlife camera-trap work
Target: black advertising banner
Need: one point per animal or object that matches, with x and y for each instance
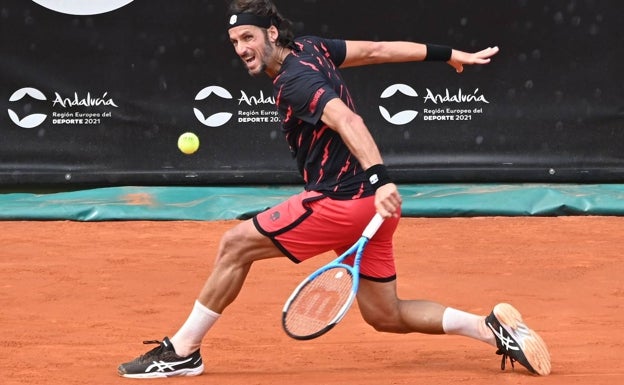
(98, 92)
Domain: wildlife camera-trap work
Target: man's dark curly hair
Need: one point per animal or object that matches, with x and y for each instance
(266, 8)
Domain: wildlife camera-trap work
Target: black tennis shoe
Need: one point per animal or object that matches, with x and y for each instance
(516, 341)
(162, 361)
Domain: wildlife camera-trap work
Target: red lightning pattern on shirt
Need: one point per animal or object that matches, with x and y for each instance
(324, 161)
(314, 67)
(344, 168)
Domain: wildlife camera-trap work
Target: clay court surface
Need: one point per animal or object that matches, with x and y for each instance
(78, 298)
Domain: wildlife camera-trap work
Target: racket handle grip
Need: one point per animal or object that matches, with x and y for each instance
(373, 226)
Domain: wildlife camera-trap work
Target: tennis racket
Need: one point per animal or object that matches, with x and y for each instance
(324, 297)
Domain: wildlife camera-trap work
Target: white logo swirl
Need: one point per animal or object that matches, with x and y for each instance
(218, 119)
(401, 117)
(29, 121)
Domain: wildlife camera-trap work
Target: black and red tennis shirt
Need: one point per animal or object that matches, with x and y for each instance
(308, 79)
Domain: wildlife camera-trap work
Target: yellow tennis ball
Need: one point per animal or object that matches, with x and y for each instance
(188, 143)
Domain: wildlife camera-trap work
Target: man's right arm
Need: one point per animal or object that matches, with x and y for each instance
(360, 142)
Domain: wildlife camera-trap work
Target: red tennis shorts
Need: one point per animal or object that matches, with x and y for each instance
(309, 224)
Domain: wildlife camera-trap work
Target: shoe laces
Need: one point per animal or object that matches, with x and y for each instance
(153, 352)
(503, 352)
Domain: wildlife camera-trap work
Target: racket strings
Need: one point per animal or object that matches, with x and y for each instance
(319, 302)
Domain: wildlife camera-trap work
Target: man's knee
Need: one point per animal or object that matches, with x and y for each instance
(229, 238)
(231, 245)
(387, 322)
(243, 244)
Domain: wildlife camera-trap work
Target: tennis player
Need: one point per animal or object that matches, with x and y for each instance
(346, 182)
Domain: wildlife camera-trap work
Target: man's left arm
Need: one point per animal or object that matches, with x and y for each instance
(361, 53)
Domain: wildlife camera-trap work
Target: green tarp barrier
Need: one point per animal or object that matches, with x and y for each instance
(212, 203)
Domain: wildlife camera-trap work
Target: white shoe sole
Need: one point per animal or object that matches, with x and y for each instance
(178, 373)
